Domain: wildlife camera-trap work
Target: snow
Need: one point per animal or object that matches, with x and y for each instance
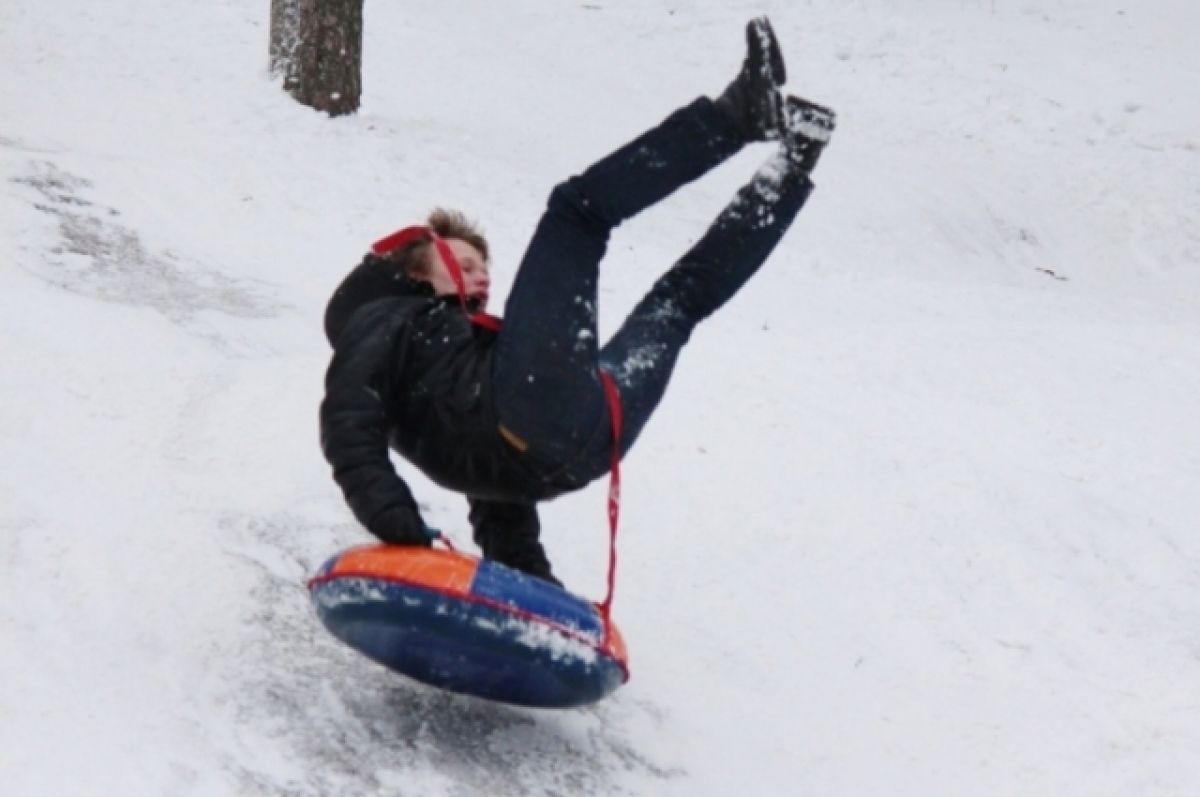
(917, 517)
(554, 641)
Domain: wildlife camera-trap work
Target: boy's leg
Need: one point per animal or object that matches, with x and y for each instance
(643, 352)
(547, 389)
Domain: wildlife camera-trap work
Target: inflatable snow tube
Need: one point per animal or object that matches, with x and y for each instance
(470, 626)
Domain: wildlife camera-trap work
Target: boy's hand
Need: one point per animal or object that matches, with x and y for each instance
(402, 525)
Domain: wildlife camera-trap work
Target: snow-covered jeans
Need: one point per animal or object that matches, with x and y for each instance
(547, 389)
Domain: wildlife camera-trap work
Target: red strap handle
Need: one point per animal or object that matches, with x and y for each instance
(401, 238)
(613, 397)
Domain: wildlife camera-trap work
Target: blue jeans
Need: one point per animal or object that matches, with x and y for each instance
(547, 389)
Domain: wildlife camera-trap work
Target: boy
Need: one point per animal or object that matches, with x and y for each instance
(516, 415)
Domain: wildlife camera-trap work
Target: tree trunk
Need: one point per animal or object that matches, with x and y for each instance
(316, 47)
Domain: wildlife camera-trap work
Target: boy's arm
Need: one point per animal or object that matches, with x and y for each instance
(354, 430)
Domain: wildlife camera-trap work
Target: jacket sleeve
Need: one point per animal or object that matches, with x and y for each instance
(354, 422)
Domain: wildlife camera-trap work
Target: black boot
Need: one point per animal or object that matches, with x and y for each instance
(808, 129)
(520, 552)
(508, 533)
(753, 99)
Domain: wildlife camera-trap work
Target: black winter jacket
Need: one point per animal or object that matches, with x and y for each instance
(412, 373)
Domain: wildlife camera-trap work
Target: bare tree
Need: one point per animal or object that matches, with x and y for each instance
(316, 48)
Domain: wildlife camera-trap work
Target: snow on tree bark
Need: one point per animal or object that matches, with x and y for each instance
(316, 48)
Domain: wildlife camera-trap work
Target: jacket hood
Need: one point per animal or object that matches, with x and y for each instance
(374, 278)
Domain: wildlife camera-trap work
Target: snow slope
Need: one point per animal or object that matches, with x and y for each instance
(918, 516)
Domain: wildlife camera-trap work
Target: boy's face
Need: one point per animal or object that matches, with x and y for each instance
(474, 272)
